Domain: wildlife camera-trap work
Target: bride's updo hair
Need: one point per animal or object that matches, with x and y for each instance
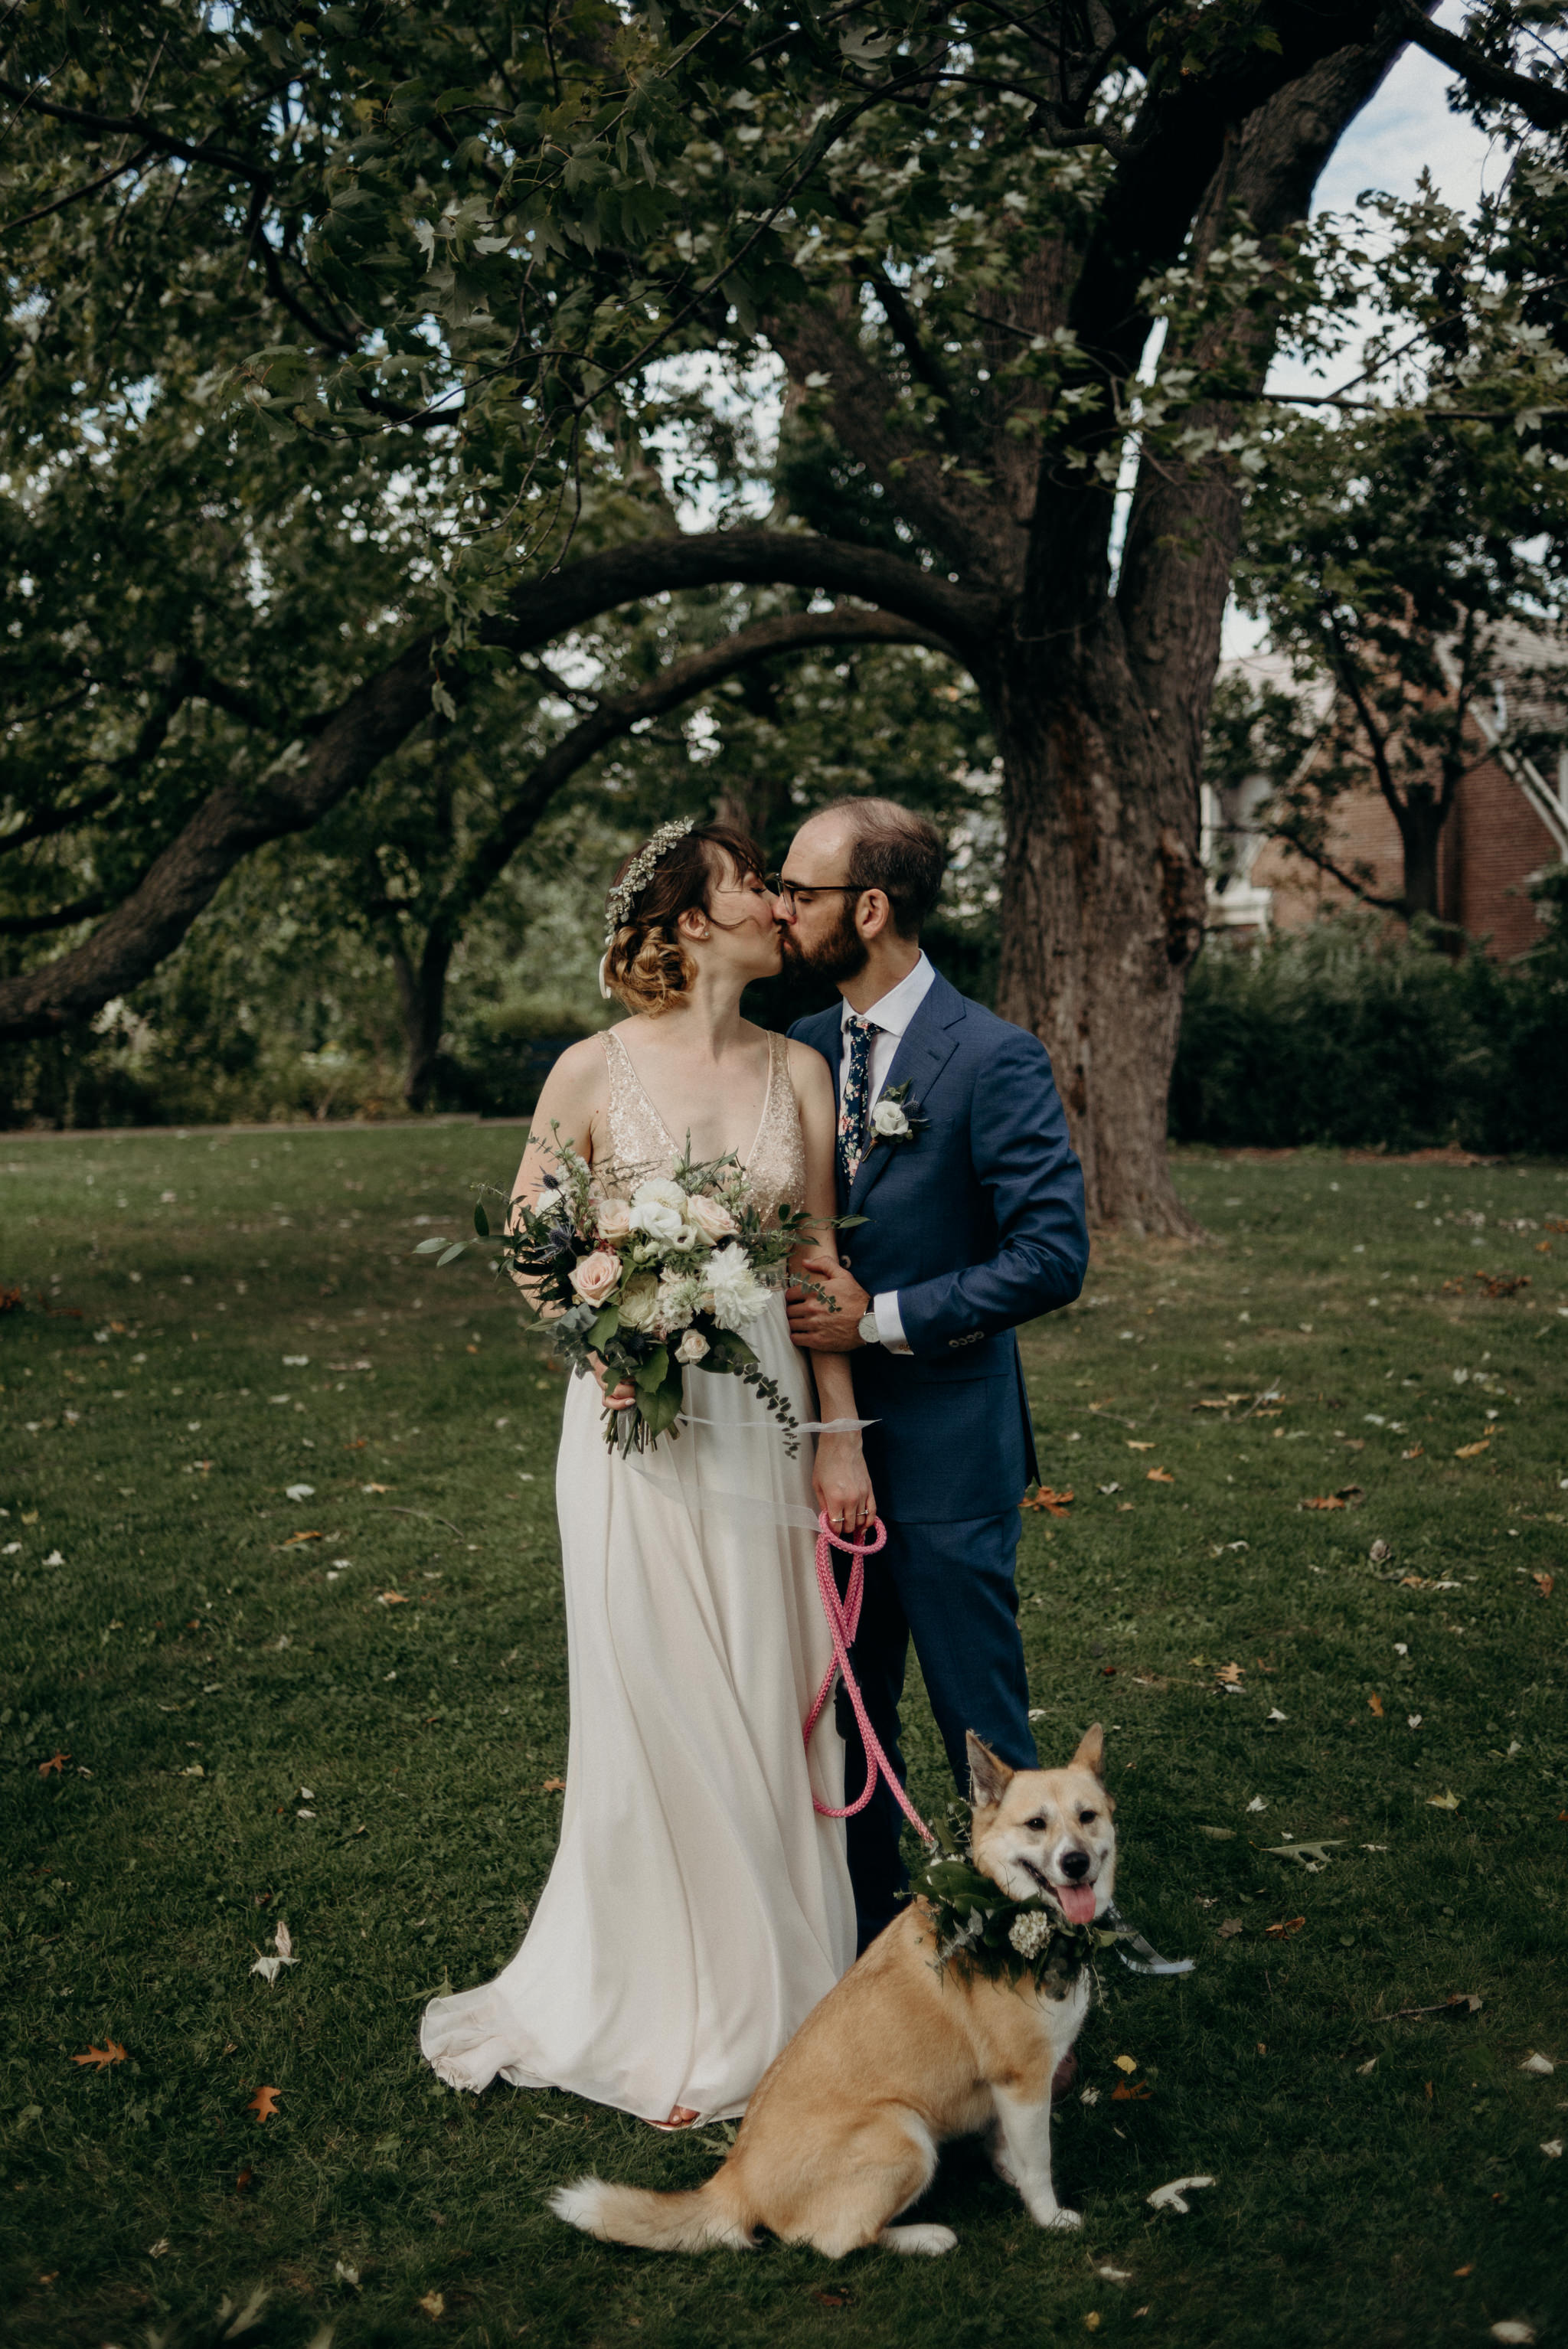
(647, 967)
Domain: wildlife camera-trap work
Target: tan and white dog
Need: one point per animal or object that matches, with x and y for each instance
(842, 2133)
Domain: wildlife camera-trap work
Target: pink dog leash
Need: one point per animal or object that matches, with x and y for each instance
(843, 1621)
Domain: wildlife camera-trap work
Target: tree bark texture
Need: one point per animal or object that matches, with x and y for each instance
(1102, 909)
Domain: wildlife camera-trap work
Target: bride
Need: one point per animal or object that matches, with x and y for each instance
(698, 1907)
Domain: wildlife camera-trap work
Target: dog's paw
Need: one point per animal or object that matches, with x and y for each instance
(931, 2241)
(1059, 2222)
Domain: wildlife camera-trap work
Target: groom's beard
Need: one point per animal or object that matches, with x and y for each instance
(843, 954)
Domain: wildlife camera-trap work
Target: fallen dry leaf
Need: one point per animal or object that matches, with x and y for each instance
(390, 1598)
(1375, 1704)
(1130, 2092)
(111, 2051)
(1328, 1501)
(1231, 1927)
(376, 1488)
(1228, 1673)
(1447, 1801)
(831, 2298)
(1470, 1450)
(1468, 2269)
(1284, 1930)
(1125, 2063)
(1056, 1503)
(57, 1763)
(1541, 2066)
(1543, 1583)
(1160, 1476)
(1139, 1447)
(246, 2180)
(1415, 1451)
(434, 2303)
(302, 1537)
(264, 2103)
(554, 1787)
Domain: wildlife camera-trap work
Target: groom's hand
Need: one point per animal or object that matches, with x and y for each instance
(813, 1321)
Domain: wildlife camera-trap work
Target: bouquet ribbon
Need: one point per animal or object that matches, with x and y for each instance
(843, 1616)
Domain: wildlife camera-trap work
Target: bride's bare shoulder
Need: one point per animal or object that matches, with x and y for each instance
(809, 1073)
(579, 1079)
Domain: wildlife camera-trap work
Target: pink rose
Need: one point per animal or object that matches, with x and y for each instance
(596, 1276)
(714, 1221)
(613, 1219)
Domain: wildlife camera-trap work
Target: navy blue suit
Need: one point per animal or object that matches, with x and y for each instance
(978, 1223)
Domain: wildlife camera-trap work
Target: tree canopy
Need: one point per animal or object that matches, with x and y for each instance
(357, 356)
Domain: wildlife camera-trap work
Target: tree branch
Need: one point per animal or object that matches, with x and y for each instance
(135, 126)
(53, 820)
(1543, 104)
(617, 714)
(31, 926)
(74, 195)
(350, 743)
(964, 618)
(1325, 863)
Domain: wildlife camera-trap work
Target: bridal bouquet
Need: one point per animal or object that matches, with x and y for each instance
(649, 1285)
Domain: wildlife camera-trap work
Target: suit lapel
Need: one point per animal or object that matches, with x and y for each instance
(924, 1048)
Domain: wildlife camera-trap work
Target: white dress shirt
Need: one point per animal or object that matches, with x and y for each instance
(890, 1016)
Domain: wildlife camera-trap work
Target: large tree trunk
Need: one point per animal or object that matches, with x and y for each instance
(1421, 822)
(1102, 907)
(422, 999)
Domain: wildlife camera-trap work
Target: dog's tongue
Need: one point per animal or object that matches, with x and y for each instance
(1078, 1903)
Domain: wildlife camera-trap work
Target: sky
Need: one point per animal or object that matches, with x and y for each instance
(1406, 125)
(1404, 128)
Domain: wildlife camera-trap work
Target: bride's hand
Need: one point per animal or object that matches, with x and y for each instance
(842, 1487)
(619, 1398)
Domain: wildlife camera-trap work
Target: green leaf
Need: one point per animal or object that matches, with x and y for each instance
(604, 1326)
(652, 1372)
(456, 1249)
(429, 1247)
(661, 1409)
(481, 1221)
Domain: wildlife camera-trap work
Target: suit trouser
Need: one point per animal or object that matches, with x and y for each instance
(951, 1588)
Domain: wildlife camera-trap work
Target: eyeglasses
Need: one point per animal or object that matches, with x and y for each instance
(797, 891)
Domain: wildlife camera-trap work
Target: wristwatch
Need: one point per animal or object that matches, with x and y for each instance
(867, 1325)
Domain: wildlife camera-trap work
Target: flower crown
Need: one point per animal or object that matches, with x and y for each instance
(638, 873)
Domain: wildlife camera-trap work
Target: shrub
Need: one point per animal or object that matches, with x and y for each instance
(1347, 1034)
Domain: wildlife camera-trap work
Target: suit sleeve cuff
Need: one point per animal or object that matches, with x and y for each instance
(890, 1323)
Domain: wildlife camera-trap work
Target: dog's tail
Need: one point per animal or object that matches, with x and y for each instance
(706, 2220)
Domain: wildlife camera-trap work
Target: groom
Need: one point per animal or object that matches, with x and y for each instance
(975, 1222)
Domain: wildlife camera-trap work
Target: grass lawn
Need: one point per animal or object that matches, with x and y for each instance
(347, 1709)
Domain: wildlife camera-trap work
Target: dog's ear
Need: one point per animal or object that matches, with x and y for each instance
(989, 1776)
(1090, 1755)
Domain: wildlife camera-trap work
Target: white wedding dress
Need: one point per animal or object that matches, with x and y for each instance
(698, 1907)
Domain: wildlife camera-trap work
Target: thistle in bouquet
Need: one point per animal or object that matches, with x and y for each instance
(647, 1283)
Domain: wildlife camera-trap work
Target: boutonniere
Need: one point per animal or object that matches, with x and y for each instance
(896, 1118)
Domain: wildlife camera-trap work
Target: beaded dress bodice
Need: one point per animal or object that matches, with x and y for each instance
(641, 1144)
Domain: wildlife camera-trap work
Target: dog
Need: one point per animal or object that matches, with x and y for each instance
(843, 2132)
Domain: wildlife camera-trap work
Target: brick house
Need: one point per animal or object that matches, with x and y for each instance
(1508, 825)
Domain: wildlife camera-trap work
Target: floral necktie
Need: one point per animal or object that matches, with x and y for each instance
(854, 1109)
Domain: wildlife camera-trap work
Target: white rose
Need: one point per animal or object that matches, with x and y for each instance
(889, 1120)
(692, 1347)
(659, 1187)
(711, 1217)
(640, 1302)
(662, 1219)
(738, 1295)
